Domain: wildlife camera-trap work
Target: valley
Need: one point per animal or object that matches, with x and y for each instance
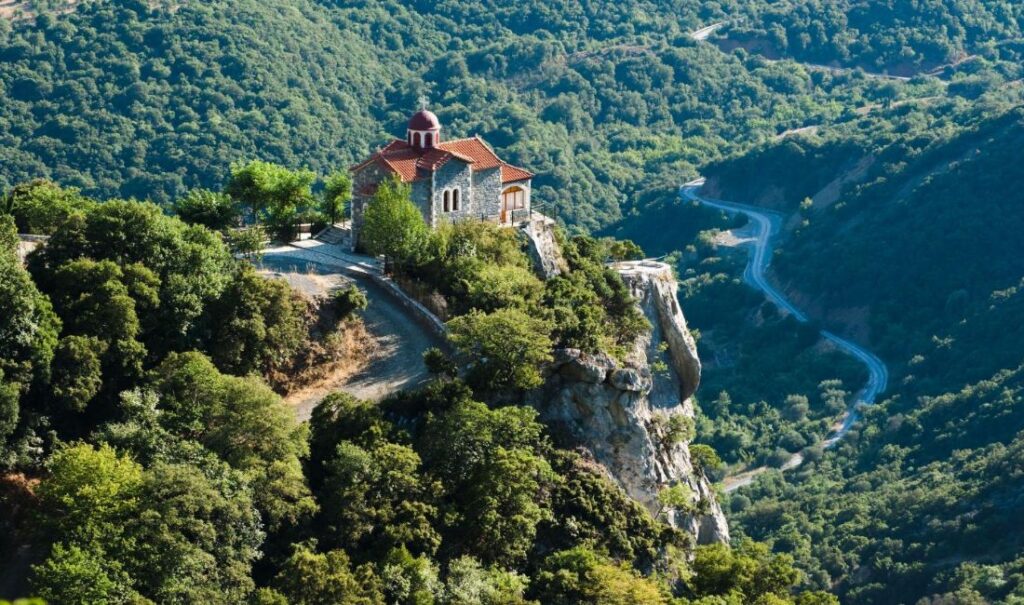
(812, 397)
(765, 233)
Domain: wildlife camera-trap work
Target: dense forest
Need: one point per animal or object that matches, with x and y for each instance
(149, 458)
(902, 38)
(914, 218)
(146, 450)
(120, 99)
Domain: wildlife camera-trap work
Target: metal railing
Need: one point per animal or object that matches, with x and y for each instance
(519, 216)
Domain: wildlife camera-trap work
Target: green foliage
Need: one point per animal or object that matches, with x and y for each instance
(494, 287)
(440, 363)
(591, 305)
(705, 458)
(261, 324)
(213, 210)
(8, 407)
(469, 583)
(206, 91)
(73, 575)
(311, 578)
(349, 300)
(77, 371)
(41, 207)
(246, 425)
(588, 508)
(621, 250)
(580, 575)
(89, 491)
(248, 241)
(376, 499)
(28, 328)
(102, 301)
(192, 265)
(408, 579)
(676, 497)
(392, 225)
(337, 195)
(272, 193)
(894, 38)
(748, 572)
(503, 349)
(505, 504)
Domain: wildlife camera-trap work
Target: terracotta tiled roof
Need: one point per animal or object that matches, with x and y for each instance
(483, 156)
(411, 164)
(510, 173)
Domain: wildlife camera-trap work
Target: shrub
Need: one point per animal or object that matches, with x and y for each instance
(349, 300)
(504, 349)
(439, 363)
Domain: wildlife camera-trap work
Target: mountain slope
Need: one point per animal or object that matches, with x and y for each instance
(601, 101)
(921, 498)
(120, 99)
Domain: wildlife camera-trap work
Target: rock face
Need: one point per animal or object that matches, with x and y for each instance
(633, 416)
(543, 248)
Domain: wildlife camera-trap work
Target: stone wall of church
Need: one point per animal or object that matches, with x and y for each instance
(421, 197)
(453, 175)
(487, 193)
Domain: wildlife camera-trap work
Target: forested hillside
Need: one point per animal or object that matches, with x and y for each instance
(923, 238)
(147, 455)
(121, 99)
(902, 38)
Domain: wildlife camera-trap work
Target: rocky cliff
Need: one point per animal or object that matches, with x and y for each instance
(543, 247)
(636, 417)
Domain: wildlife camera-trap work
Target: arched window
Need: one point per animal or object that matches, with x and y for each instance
(455, 200)
(447, 201)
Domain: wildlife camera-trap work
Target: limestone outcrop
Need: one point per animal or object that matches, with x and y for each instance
(636, 416)
(543, 248)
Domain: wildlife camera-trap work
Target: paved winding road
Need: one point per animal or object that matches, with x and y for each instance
(767, 224)
(398, 360)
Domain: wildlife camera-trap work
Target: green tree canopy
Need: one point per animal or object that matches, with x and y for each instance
(337, 195)
(42, 206)
(392, 225)
(378, 499)
(272, 192)
(504, 349)
(214, 210)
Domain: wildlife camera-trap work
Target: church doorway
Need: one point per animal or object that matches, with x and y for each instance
(512, 199)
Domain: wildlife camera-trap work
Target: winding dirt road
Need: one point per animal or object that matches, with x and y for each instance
(767, 224)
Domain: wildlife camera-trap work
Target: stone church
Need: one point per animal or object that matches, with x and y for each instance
(450, 180)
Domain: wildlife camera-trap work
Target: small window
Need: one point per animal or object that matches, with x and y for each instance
(447, 201)
(455, 200)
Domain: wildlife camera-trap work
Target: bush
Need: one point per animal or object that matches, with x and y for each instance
(705, 457)
(208, 208)
(439, 363)
(778, 458)
(503, 349)
(349, 300)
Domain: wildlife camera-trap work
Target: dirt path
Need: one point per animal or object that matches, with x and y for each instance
(397, 360)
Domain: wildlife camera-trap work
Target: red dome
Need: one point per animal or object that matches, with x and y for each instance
(424, 120)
